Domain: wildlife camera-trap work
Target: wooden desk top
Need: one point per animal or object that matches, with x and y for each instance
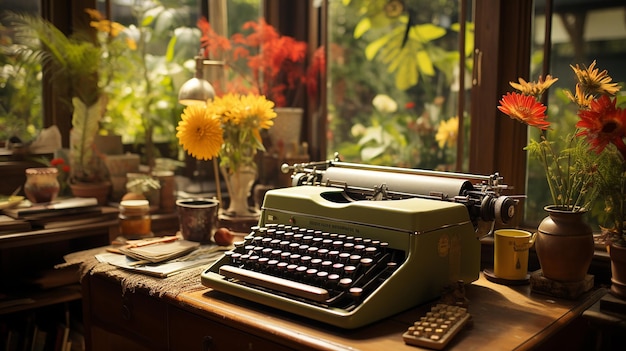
(504, 318)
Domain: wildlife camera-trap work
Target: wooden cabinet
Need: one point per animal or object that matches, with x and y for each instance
(189, 331)
(124, 320)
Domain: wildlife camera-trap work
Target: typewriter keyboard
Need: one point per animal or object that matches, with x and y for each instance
(323, 268)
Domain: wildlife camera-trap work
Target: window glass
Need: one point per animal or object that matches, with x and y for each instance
(582, 31)
(20, 84)
(393, 90)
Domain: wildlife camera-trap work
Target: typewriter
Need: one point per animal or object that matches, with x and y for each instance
(349, 244)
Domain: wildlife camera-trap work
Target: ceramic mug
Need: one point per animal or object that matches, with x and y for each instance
(198, 218)
(511, 253)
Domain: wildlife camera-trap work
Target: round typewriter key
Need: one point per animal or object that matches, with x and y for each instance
(366, 262)
(315, 262)
(345, 283)
(307, 239)
(370, 251)
(322, 253)
(354, 259)
(355, 292)
(349, 270)
(332, 280)
(275, 243)
(303, 248)
(326, 265)
(305, 260)
(312, 251)
(343, 257)
(294, 258)
(276, 253)
(327, 243)
(338, 267)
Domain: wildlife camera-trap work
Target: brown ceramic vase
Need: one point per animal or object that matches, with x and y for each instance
(564, 245)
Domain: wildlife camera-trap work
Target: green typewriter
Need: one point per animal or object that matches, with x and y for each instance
(348, 245)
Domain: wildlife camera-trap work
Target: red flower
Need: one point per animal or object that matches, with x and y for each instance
(276, 63)
(602, 124)
(57, 161)
(525, 109)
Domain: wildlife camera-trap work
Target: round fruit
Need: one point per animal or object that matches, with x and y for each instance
(223, 237)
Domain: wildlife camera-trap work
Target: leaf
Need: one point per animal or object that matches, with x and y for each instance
(363, 26)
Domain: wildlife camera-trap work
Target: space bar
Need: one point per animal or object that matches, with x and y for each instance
(275, 283)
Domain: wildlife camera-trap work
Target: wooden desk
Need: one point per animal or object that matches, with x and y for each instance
(504, 318)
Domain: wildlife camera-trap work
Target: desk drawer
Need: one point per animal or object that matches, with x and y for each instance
(135, 315)
(192, 332)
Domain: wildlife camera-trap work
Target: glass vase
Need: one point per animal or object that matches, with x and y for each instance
(41, 184)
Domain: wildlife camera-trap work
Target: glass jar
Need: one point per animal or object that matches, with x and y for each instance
(41, 184)
(134, 219)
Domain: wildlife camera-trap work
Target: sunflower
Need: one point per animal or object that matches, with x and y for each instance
(603, 124)
(525, 109)
(594, 82)
(200, 132)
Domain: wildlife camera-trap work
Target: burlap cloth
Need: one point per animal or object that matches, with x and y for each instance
(185, 281)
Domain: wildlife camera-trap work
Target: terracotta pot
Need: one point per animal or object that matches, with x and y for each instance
(618, 270)
(564, 245)
(100, 191)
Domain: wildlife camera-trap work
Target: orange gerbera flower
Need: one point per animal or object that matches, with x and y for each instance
(602, 124)
(525, 109)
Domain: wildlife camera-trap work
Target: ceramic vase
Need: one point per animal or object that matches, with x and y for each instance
(41, 184)
(239, 184)
(564, 245)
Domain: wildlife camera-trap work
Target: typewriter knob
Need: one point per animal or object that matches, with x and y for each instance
(500, 208)
(505, 208)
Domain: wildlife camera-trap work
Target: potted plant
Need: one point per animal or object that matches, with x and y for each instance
(229, 127)
(73, 62)
(573, 170)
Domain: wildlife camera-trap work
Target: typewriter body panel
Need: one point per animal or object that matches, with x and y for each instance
(432, 244)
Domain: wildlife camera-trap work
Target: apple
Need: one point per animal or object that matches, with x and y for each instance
(223, 237)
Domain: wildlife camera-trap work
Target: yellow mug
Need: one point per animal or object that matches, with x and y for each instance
(511, 253)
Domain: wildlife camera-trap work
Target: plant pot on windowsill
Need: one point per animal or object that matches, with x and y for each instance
(617, 253)
(99, 190)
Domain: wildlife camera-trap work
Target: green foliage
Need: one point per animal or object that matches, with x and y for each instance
(71, 60)
(20, 93)
(411, 56)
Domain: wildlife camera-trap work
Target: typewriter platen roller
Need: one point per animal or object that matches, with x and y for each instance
(348, 245)
(483, 197)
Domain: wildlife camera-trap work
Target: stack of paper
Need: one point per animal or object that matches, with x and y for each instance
(159, 251)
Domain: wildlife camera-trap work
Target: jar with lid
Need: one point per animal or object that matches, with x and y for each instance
(41, 184)
(134, 219)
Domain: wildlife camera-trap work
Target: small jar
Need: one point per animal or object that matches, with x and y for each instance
(134, 219)
(41, 184)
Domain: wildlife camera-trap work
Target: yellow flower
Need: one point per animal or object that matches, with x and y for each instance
(535, 89)
(447, 132)
(594, 82)
(261, 109)
(101, 24)
(200, 132)
(581, 99)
